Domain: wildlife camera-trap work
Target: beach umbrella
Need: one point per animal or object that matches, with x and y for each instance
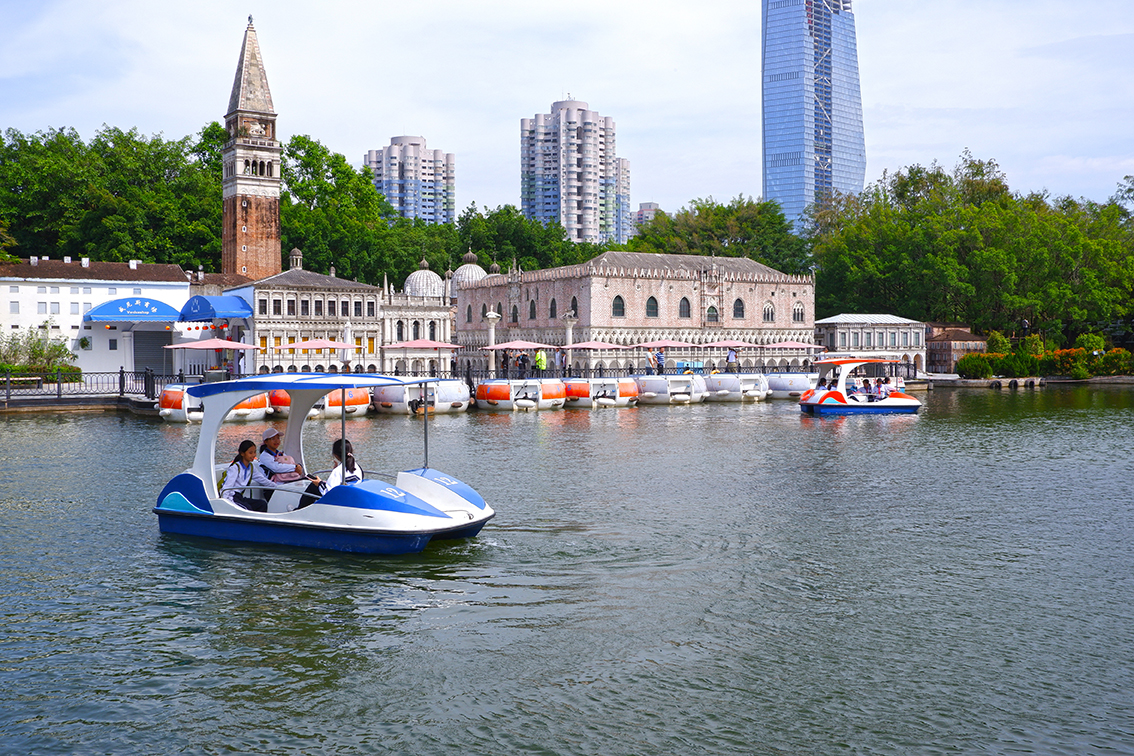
(405, 346)
(520, 345)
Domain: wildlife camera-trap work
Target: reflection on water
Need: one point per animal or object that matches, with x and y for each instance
(705, 579)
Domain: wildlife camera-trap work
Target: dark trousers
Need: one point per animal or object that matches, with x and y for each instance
(253, 505)
(311, 495)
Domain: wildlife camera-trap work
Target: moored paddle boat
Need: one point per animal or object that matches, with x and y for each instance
(736, 387)
(524, 394)
(357, 402)
(679, 388)
(370, 516)
(447, 395)
(790, 385)
(844, 399)
(600, 392)
(281, 405)
(175, 405)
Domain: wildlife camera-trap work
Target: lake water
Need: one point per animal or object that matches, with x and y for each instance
(714, 579)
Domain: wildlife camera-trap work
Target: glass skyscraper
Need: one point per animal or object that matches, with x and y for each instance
(813, 140)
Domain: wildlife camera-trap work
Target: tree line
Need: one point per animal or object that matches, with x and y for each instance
(923, 242)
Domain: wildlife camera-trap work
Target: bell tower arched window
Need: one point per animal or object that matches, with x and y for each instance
(618, 307)
(652, 307)
(551, 310)
(683, 310)
(797, 312)
(712, 316)
(738, 309)
(769, 313)
(531, 310)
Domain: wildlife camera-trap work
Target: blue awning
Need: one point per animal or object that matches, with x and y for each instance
(132, 310)
(210, 308)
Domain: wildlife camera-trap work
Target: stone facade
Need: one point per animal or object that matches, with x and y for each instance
(946, 347)
(887, 337)
(629, 298)
(250, 230)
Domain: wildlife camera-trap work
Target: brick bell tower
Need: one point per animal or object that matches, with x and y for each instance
(250, 233)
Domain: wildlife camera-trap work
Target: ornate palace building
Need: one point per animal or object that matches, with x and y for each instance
(629, 298)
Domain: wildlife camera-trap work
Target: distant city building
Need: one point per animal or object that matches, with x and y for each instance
(885, 337)
(628, 298)
(250, 229)
(417, 181)
(812, 137)
(645, 213)
(570, 173)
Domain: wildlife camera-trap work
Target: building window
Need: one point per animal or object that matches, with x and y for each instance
(54, 308)
(112, 290)
(551, 310)
(291, 308)
(484, 311)
(114, 345)
(905, 338)
(74, 308)
(499, 309)
(893, 339)
(74, 289)
(14, 308)
(531, 310)
(769, 313)
(618, 308)
(41, 290)
(515, 313)
(468, 314)
(854, 339)
(401, 328)
(137, 292)
(86, 290)
(917, 339)
(358, 309)
(263, 307)
(86, 308)
(41, 308)
(866, 336)
(344, 308)
(330, 308)
(16, 290)
(277, 307)
(318, 308)
(683, 309)
(651, 307)
(55, 290)
(797, 313)
(738, 309)
(712, 316)
(304, 307)
(433, 330)
(370, 308)
(574, 307)
(842, 340)
(416, 329)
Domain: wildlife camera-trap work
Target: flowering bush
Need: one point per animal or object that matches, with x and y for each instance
(976, 365)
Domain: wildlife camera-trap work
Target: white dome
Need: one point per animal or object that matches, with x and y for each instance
(424, 283)
(467, 273)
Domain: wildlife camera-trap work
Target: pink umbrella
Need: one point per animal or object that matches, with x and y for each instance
(212, 344)
(423, 344)
(521, 345)
(594, 345)
(791, 345)
(729, 344)
(666, 343)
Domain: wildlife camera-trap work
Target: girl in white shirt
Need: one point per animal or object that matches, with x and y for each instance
(243, 473)
(346, 472)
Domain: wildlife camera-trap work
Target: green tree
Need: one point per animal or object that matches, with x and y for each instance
(742, 228)
(998, 343)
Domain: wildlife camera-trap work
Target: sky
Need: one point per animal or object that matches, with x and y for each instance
(1043, 87)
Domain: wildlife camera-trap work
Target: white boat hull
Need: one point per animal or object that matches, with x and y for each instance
(449, 395)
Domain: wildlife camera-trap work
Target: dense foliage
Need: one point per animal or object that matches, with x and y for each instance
(33, 349)
(742, 228)
(960, 247)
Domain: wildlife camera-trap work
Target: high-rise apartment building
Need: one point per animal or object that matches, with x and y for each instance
(417, 181)
(813, 139)
(571, 174)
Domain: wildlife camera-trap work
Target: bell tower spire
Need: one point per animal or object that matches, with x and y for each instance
(250, 235)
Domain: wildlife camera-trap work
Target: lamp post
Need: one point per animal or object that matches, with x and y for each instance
(570, 320)
(492, 316)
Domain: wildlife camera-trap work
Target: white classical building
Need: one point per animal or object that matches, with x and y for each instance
(58, 296)
(628, 298)
(885, 337)
(302, 305)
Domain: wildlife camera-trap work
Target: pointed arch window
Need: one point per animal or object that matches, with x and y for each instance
(401, 329)
(574, 307)
(797, 312)
(618, 307)
(551, 310)
(417, 329)
(769, 313)
(683, 309)
(652, 307)
(433, 330)
(712, 316)
(738, 309)
(515, 313)
(484, 311)
(531, 310)
(468, 314)
(499, 309)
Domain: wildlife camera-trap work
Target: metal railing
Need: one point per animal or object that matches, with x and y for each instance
(60, 383)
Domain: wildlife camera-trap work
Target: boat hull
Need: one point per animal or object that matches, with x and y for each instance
(590, 393)
(736, 387)
(791, 385)
(524, 395)
(819, 402)
(449, 396)
(176, 406)
(681, 388)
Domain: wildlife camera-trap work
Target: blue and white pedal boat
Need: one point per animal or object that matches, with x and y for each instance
(842, 396)
(370, 517)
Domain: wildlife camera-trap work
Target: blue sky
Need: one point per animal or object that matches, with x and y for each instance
(1044, 87)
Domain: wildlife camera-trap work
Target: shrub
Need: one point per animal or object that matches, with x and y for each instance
(1116, 362)
(998, 343)
(1079, 372)
(974, 365)
(1017, 366)
(1091, 342)
(1032, 345)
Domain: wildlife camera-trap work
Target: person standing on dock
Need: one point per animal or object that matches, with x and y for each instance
(659, 360)
(540, 363)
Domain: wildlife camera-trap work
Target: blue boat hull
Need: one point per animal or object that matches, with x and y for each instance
(302, 536)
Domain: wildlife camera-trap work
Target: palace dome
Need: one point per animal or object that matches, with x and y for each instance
(468, 272)
(424, 282)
